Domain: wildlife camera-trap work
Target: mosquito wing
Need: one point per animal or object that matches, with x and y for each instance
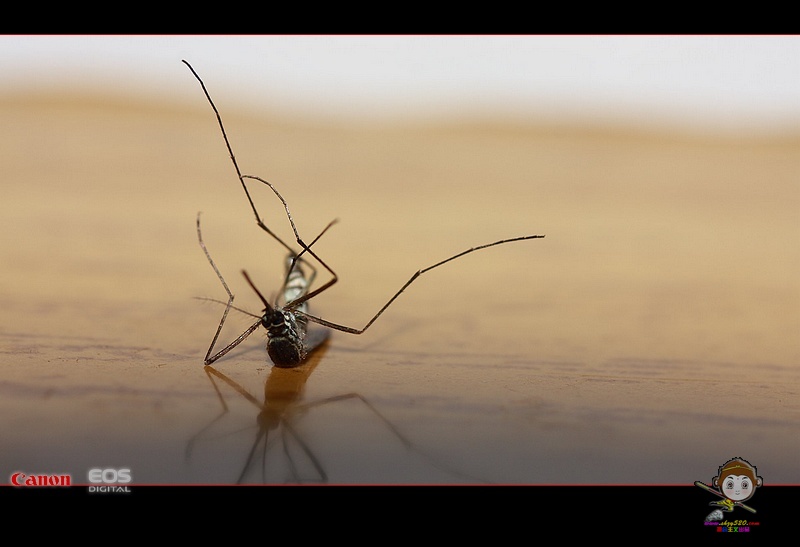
(315, 337)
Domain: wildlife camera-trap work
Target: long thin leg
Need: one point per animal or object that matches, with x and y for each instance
(208, 358)
(217, 301)
(239, 172)
(233, 158)
(296, 301)
(413, 278)
(295, 258)
(306, 248)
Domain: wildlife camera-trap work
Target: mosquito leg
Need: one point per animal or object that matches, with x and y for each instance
(305, 247)
(209, 358)
(229, 347)
(259, 221)
(293, 264)
(216, 301)
(227, 289)
(235, 163)
(351, 330)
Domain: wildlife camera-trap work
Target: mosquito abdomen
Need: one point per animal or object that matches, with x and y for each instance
(285, 352)
(285, 346)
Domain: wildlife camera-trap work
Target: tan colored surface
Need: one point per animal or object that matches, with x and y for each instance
(652, 335)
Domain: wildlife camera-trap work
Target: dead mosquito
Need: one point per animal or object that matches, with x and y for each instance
(286, 324)
(288, 339)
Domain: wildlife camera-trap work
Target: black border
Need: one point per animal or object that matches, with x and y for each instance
(674, 512)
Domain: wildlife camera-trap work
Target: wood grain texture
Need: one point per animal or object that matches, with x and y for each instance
(651, 336)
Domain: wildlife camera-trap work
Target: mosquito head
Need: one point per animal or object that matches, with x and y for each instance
(285, 333)
(285, 345)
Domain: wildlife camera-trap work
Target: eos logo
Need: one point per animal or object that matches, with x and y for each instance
(110, 479)
(110, 476)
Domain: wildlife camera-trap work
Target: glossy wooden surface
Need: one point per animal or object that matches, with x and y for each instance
(650, 337)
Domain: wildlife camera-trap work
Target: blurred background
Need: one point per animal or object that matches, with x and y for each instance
(651, 336)
(745, 83)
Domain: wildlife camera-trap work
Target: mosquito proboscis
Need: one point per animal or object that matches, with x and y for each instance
(286, 324)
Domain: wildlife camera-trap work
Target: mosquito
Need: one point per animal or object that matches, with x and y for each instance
(286, 324)
(289, 341)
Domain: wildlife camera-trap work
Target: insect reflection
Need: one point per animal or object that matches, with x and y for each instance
(278, 413)
(281, 407)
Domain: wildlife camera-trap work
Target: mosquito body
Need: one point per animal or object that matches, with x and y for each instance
(286, 328)
(287, 325)
(288, 343)
(288, 333)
